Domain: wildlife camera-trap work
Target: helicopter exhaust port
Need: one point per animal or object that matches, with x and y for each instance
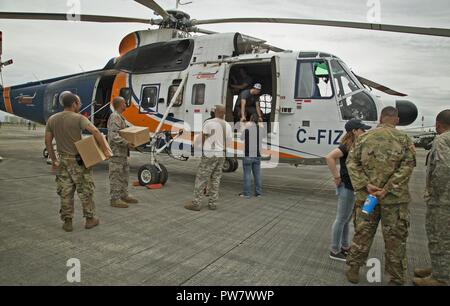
(407, 112)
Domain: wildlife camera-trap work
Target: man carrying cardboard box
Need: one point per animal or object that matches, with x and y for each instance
(118, 164)
(66, 128)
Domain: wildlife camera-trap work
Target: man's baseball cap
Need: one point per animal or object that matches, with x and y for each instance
(257, 86)
(354, 124)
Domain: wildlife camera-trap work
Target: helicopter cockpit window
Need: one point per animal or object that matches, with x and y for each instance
(172, 91)
(313, 80)
(149, 97)
(198, 94)
(353, 101)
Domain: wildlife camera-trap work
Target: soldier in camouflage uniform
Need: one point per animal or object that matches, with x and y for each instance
(437, 197)
(72, 175)
(216, 133)
(381, 163)
(118, 164)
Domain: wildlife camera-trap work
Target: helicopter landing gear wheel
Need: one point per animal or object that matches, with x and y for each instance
(148, 174)
(229, 165)
(163, 174)
(235, 165)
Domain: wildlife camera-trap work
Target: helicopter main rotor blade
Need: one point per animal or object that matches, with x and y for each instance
(380, 87)
(155, 7)
(66, 17)
(332, 23)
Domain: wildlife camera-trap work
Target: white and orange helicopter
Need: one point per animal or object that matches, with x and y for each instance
(171, 80)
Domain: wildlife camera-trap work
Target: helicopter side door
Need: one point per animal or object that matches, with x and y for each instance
(203, 90)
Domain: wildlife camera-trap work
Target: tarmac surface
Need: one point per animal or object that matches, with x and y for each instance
(281, 238)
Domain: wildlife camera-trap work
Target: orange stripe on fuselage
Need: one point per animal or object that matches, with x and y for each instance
(120, 82)
(131, 114)
(7, 100)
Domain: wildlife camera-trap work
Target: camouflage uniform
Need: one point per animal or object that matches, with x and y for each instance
(437, 196)
(118, 164)
(209, 174)
(384, 157)
(71, 176)
(66, 128)
(209, 171)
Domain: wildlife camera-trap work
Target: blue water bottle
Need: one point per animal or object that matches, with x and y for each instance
(369, 204)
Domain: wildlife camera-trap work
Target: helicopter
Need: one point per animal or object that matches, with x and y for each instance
(171, 78)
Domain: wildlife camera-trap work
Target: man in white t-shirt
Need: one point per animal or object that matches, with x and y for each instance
(215, 136)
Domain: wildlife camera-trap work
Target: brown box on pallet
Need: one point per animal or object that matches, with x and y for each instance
(90, 151)
(136, 135)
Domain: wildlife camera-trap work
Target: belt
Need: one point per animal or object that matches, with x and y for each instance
(67, 156)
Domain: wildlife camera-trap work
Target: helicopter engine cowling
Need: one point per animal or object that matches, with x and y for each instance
(407, 112)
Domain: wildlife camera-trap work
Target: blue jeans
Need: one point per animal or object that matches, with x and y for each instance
(252, 164)
(340, 229)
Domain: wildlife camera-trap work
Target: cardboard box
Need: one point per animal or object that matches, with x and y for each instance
(136, 135)
(90, 151)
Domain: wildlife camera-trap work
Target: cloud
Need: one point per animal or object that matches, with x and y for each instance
(414, 64)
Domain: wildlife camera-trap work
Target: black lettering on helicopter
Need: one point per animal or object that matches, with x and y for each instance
(302, 140)
(329, 136)
(339, 134)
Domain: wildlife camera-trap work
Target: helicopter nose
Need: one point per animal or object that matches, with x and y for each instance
(407, 112)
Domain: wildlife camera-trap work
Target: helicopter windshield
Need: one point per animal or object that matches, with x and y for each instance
(353, 101)
(344, 83)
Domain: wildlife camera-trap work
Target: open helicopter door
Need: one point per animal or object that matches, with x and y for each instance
(203, 91)
(275, 99)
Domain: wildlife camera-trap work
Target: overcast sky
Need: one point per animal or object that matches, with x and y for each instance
(414, 64)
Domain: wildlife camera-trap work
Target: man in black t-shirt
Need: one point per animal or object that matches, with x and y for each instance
(248, 104)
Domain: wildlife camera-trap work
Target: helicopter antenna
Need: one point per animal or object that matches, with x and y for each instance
(178, 3)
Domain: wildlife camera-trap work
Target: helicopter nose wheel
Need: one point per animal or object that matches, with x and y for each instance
(150, 174)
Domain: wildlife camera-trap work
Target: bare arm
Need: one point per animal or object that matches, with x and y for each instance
(49, 145)
(258, 111)
(99, 138)
(331, 162)
(243, 102)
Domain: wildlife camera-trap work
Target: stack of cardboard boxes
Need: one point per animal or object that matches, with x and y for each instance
(92, 154)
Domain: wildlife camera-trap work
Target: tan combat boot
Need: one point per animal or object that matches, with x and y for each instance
(422, 272)
(353, 274)
(119, 204)
(130, 200)
(428, 281)
(192, 206)
(67, 226)
(91, 222)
